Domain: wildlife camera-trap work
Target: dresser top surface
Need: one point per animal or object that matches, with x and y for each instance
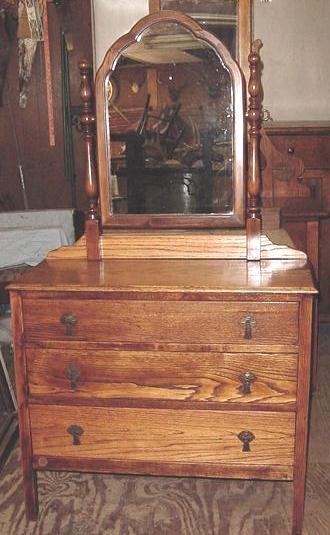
(168, 275)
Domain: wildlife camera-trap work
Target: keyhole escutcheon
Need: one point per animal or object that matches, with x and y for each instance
(248, 322)
(246, 437)
(75, 431)
(69, 320)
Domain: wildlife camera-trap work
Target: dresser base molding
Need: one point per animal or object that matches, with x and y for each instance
(276, 473)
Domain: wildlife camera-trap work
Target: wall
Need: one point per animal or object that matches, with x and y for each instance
(296, 83)
(43, 165)
(296, 76)
(112, 19)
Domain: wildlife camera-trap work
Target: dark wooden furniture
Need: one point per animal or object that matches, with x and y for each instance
(296, 179)
(8, 412)
(6, 276)
(173, 345)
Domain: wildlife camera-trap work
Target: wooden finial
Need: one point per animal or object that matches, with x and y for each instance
(87, 122)
(254, 178)
(256, 45)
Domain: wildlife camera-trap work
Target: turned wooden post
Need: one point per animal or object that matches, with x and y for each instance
(253, 224)
(87, 121)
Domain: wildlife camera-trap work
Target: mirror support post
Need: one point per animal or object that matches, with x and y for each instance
(87, 122)
(253, 224)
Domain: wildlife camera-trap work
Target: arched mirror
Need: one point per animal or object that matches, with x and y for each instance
(170, 128)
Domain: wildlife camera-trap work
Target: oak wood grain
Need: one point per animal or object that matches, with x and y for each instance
(160, 345)
(163, 435)
(179, 376)
(185, 277)
(161, 321)
(193, 244)
(29, 476)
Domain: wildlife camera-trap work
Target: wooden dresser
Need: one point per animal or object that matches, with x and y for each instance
(170, 343)
(173, 367)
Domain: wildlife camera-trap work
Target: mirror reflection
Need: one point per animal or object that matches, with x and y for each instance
(170, 111)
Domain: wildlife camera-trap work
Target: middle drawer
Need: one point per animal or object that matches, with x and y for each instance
(188, 376)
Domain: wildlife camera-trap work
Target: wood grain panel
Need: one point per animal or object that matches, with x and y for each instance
(180, 376)
(161, 321)
(163, 435)
(194, 244)
(204, 279)
(303, 145)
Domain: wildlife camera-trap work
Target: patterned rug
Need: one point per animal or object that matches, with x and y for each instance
(93, 504)
(90, 504)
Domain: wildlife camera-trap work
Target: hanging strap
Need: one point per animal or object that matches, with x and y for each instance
(69, 168)
(48, 75)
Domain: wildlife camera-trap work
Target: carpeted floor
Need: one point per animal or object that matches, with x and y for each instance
(90, 504)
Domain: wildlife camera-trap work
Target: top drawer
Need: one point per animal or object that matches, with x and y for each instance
(312, 149)
(188, 322)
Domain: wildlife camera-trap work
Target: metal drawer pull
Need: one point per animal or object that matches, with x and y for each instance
(246, 437)
(76, 431)
(247, 378)
(73, 375)
(69, 320)
(248, 323)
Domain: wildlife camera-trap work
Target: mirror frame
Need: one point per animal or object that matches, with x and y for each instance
(236, 218)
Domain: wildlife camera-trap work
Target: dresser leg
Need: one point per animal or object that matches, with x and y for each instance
(29, 475)
(315, 346)
(31, 495)
(298, 503)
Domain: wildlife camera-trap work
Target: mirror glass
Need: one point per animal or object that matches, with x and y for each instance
(172, 148)
(171, 124)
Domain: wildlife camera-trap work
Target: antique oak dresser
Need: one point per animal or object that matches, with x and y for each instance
(172, 344)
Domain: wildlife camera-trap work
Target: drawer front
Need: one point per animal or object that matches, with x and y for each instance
(163, 435)
(189, 322)
(215, 377)
(312, 149)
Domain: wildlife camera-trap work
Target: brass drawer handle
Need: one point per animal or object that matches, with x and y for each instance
(247, 378)
(73, 375)
(246, 437)
(290, 150)
(76, 431)
(69, 320)
(248, 322)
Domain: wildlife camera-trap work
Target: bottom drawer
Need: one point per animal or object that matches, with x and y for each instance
(163, 435)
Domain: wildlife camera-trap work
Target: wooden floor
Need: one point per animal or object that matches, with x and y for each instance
(317, 508)
(90, 504)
